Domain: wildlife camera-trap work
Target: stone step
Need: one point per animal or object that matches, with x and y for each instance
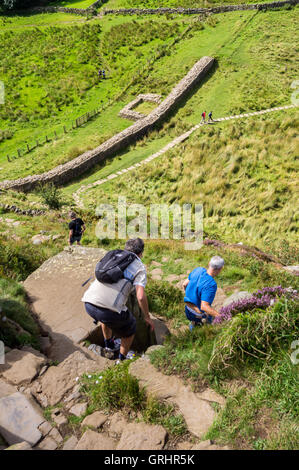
(196, 408)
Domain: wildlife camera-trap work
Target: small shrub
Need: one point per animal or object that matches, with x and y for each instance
(51, 196)
(116, 389)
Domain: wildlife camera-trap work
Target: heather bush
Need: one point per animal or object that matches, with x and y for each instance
(261, 299)
(257, 334)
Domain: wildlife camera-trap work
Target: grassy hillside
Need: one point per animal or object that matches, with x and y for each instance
(244, 173)
(255, 67)
(60, 82)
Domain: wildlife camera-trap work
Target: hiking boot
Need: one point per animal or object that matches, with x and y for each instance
(130, 355)
(96, 349)
(104, 352)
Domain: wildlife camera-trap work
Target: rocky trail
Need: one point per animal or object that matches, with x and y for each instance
(40, 392)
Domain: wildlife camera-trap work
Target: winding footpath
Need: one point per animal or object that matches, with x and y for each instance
(173, 143)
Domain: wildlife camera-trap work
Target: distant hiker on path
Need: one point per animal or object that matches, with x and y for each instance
(77, 227)
(104, 74)
(117, 274)
(203, 117)
(210, 117)
(100, 73)
(200, 290)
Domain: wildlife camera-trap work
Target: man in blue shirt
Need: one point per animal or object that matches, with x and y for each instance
(200, 290)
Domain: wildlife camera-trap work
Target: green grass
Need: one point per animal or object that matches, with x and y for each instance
(261, 410)
(13, 21)
(74, 3)
(245, 179)
(146, 107)
(253, 337)
(246, 65)
(14, 306)
(116, 389)
(243, 172)
(62, 86)
(262, 415)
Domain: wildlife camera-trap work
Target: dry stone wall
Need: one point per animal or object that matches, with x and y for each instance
(162, 11)
(62, 174)
(196, 11)
(128, 111)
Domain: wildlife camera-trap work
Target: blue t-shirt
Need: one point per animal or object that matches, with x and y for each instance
(201, 286)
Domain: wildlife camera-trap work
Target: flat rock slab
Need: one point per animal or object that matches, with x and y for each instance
(141, 436)
(59, 380)
(47, 444)
(21, 446)
(20, 419)
(117, 424)
(71, 443)
(95, 420)
(21, 366)
(208, 445)
(92, 440)
(79, 409)
(236, 297)
(56, 291)
(197, 412)
(6, 389)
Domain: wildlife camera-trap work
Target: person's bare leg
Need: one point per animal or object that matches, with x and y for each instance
(125, 344)
(107, 332)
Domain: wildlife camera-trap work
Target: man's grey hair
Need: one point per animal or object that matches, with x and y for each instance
(136, 245)
(216, 262)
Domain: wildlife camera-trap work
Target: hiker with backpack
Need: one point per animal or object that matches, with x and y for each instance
(200, 290)
(117, 274)
(77, 227)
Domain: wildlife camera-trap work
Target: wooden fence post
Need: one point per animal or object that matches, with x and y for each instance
(8, 159)
(64, 128)
(28, 148)
(19, 152)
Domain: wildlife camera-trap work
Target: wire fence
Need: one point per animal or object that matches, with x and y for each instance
(81, 120)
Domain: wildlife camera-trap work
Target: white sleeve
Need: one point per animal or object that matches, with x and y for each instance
(140, 278)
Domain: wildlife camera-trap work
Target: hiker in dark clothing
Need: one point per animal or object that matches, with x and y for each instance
(210, 117)
(77, 227)
(103, 74)
(100, 73)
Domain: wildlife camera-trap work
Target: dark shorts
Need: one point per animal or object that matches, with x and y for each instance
(75, 238)
(194, 316)
(123, 324)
